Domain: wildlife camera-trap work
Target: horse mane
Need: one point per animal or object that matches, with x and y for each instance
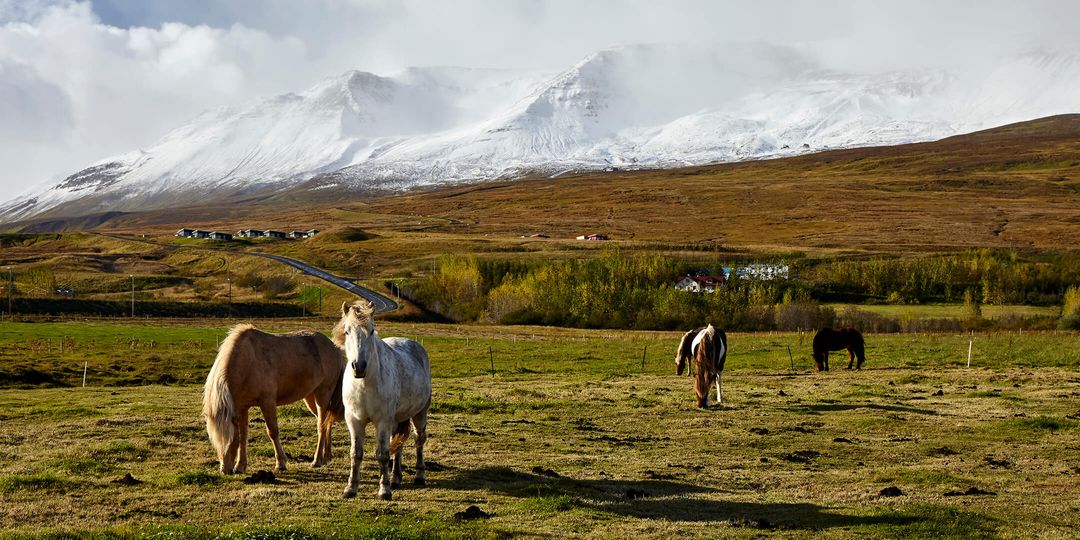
(338, 333)
(684, 354)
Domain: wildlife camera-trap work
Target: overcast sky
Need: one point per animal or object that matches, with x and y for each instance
(81, 81)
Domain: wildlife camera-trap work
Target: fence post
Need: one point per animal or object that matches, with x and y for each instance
(970, 342)
(643, 353)
(491, 357)
(84, 366)
(792, 358)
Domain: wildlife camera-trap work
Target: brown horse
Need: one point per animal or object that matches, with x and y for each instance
(828, 339)
(256, 369)
(708, 348)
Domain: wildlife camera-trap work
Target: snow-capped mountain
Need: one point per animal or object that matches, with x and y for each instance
(627, 107)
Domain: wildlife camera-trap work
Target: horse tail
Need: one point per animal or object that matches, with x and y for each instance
(400, 435)
(218, 406)
(337, 404)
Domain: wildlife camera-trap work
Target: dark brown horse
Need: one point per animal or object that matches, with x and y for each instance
(828, 339)
(708, 348)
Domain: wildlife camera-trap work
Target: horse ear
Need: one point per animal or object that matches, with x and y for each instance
(345, 307)
(366, 307)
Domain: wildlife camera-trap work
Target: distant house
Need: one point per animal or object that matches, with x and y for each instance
(250, 233)
(699, 283)
(198, 233)
(299, 234)
(185, 233)
(274, 234)
(760, 272)
(312, 232)
(218, 235)
(593, 237)
(539, 235)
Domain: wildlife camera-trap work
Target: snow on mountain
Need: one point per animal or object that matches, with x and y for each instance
(631, 106)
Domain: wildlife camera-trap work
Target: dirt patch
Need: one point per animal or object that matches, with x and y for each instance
(261, 477)
(801, 456)
(471, 513)
(546, 472)
(971, 491)
(127, 480)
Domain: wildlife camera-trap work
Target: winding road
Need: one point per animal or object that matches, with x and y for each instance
(382, 303)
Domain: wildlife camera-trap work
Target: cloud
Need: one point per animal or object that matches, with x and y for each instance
(74, 90)
(82, 81)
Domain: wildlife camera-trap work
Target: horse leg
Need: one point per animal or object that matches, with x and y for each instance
(243, 433)
(851, 358)
(356, 453)
(825, 357)
(312, 404)
(324, 424)
(420, 423)
(382, 455)
(396, 479)
(719, 388)
(229, 457)
(269, 412)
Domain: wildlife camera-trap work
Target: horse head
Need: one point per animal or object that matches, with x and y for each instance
(354, 333)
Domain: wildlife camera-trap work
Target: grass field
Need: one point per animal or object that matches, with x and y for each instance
(570, 436)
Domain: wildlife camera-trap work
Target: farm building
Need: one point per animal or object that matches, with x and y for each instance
(593, 237)
(700, 283)
(759, 272)
(185, 233)
(274, 234)
(218, 235)
(249, 233)
(303, 234)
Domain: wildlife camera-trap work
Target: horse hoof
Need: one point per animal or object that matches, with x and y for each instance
(385, 495)
(419, 481)
(349, 493)
(395, 484)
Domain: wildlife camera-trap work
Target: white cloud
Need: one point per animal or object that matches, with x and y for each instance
(80, 82)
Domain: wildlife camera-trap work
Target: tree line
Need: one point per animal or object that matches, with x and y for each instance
(620, 290)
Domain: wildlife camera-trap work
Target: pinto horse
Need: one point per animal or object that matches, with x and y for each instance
(708, 349)
(828, 339)
(390, 386)
(256, 369)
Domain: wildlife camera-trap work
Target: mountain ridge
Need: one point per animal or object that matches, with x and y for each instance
(640, 106)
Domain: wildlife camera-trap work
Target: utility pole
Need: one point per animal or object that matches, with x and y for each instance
(229, 279)
(11, 285)
(132, 295)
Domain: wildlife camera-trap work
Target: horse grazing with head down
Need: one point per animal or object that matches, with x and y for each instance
(256, 369)
(707, 347)
(828, 339)
(390, 385)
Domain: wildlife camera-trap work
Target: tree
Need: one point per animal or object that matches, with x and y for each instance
(972, 312)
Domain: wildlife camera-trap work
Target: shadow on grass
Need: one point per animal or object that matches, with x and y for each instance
(829, 407)
(652, 499)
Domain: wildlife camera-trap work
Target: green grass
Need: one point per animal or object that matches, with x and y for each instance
(570, 437)
(951, 311)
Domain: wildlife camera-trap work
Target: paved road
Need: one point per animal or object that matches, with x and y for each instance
(382, 303)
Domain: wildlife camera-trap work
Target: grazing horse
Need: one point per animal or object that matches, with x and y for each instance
(390, 385)
(828, 339)
(256, 369)
(708, 348)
